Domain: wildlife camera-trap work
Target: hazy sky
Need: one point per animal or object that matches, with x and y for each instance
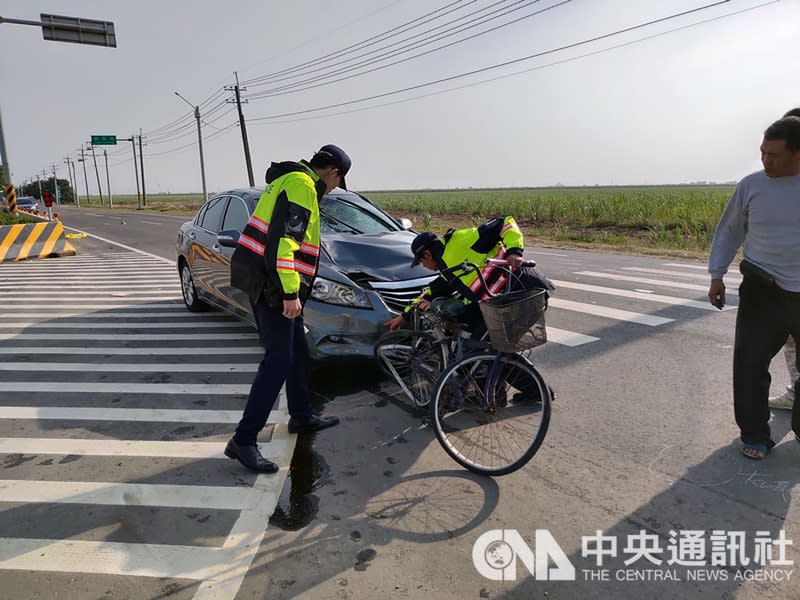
(684, 106)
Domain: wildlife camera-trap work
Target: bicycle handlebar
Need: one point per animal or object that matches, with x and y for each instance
(469, 267)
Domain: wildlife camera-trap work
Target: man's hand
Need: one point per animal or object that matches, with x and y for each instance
(716, 293)
(514, 261)
(396, 323)
(292, 308)
(424, 305)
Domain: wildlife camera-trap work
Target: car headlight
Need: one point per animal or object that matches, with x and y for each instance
(332, 292)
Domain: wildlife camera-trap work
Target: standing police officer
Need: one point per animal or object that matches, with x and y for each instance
(275, 263)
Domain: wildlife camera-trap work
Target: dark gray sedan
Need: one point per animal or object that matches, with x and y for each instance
(364, 276)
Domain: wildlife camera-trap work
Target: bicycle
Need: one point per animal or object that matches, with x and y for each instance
(415, 357)
(490, 410)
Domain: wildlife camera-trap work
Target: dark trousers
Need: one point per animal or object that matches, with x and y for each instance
(285, 360)
(766, 316)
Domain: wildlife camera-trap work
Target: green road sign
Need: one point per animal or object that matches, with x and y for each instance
(104, 140)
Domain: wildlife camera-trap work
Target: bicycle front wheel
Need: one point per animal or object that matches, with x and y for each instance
(414, 360)
(490, 412)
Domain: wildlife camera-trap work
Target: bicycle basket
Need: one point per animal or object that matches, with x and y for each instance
(515, 320)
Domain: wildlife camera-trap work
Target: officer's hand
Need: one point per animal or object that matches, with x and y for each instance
(292, 308)
(395, 323)
(514, 261)
(424, 305)
(716, 293)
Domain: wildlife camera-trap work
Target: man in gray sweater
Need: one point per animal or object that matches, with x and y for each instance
(764, 215)
(786, 400)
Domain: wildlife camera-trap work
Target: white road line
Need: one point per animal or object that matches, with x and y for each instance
(72, 286)
(115, 302)
(246, 535)
(156, 351)
(537, 253)
(64, 387)
(568, 338)
(639, 295)
(159, 367)
(607, 312)
(171, 291)
(131, 248)
(657, 282)
(180, 314)
(696, 276)
(149, 415)
(125, 494)
(66, 279)
(123, 324)
(686, 266)
(110, 558)
(138, 448)
(143, 337)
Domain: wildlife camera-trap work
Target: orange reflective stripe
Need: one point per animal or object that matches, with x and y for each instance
(251, 244)
(309, 249)
(259, 224)
(304, 267)
(285, 265)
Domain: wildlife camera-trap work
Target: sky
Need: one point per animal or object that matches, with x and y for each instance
(680, 100)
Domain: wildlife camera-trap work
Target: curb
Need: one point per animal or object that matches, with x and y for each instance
(34, 240)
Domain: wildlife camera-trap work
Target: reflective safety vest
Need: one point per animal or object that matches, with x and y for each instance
(278, 251)
(497, 238)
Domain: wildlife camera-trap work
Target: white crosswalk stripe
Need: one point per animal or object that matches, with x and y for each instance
(127, 307)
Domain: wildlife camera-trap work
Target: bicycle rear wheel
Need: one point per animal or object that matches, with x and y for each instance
(414, 359)
(490, 413)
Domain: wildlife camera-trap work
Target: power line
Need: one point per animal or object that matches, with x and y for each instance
(495, 66)
(205, 138)
(536, 68)
(289, 89)
(363, 43)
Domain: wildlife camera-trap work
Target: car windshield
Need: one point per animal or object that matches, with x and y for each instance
(349, 213)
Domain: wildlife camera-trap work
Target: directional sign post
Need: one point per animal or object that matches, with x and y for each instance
(104, 140)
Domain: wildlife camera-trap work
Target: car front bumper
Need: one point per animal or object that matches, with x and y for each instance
(335, 331)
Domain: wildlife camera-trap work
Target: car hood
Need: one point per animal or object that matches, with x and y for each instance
(381, 256)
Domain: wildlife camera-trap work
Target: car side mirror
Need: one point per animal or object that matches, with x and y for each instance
(405, 223)
(228, 238)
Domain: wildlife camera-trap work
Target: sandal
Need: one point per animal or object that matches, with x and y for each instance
(755, 451)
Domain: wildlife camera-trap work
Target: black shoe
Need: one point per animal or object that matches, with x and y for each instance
(312, 423)
(250, 457)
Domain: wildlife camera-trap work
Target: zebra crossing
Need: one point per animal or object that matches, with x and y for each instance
(101, 364)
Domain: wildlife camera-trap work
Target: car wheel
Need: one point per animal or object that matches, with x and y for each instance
(190, 297)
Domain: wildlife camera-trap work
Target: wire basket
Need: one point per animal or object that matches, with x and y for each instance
(515, 320)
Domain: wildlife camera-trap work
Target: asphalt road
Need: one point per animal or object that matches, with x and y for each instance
(642, 446)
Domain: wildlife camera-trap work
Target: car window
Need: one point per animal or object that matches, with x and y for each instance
(351, 214)
(236, 216)
(212, 218)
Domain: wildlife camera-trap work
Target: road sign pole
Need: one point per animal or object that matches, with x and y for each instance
(108, 181)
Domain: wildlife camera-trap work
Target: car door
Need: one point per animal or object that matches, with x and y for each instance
(205, 258)
(236, 217)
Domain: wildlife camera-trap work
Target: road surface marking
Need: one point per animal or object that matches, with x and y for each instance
(639, 295)
(610, 313)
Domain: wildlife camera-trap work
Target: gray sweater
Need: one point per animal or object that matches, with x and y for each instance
(764, 214)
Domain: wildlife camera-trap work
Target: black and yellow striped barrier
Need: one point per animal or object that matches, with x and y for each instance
(11, 198)
(34, 240)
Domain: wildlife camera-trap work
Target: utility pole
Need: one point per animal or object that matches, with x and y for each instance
(6, 163)
(75, 179)
(132, 140)
(55, 183)
(200, 143)
(141, 162)
(39, 181)
(71, 180)
(82, 159)
(242, 126)
(97, 174)
(108, 181)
